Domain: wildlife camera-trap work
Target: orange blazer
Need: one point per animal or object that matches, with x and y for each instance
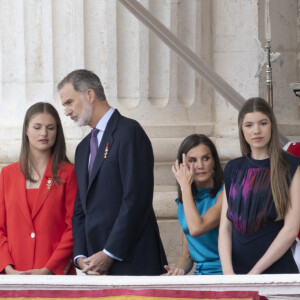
(43, 237)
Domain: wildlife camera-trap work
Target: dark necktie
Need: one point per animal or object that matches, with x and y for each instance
(93, 148)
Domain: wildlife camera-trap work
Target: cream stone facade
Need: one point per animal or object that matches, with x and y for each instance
(42, 40)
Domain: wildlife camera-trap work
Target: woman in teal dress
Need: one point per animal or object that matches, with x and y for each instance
(199, 181)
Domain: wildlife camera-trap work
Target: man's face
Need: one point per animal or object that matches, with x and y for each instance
(76, 105)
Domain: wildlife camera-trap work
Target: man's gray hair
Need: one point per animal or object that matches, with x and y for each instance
(82, 80)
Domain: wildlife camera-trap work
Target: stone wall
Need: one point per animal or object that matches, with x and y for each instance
(42, 40)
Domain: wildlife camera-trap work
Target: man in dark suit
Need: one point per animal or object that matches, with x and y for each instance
(114, 226)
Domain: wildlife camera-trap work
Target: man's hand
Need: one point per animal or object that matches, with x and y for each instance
(80, 262)
(97, 264)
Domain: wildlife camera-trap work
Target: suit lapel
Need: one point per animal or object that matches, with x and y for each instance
(105, 145)
(20, 186)
(46, 186)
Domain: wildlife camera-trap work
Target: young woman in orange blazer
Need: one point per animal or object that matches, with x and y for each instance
(37, 197)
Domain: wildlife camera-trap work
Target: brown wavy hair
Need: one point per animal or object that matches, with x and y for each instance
(193, 141)
(58, 150)
(278, 163)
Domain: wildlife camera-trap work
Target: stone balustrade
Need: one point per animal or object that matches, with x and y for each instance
(281, 287)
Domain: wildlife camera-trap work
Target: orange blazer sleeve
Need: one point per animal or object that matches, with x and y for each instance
(62, 257)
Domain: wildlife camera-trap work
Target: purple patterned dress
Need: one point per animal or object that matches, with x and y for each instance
(252, 211)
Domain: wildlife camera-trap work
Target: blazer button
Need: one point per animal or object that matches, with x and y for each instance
(32, 235)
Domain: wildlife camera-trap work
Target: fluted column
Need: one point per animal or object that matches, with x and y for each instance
(13, 63)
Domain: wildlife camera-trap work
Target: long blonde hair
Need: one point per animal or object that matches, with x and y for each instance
(278, 163)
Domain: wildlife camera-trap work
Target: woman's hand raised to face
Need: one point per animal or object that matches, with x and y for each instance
(184, 173)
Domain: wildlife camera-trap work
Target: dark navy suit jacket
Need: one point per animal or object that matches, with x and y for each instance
(113, 208)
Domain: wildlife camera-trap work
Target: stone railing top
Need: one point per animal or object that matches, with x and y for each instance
(264, 284)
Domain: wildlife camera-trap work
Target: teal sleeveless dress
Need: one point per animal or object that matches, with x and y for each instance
(203, 249)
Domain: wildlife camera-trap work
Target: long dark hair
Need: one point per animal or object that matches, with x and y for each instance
(278, 165)
(58, 150)
(193, 141)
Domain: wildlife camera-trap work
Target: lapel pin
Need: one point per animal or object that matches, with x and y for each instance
(49, 183)
(106, 150)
